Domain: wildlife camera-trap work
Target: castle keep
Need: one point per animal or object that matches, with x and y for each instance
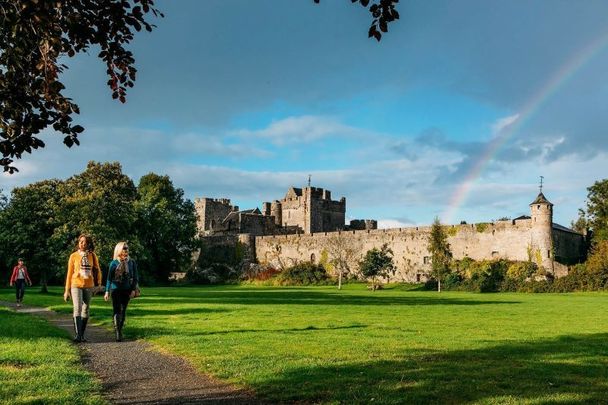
(302, 210)
(306, 225)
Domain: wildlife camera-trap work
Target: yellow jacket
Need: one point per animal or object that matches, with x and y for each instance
(75, 279)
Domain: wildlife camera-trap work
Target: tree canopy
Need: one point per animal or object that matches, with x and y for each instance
(378, 263)
(43, 220)
(597, 210)
(439, 248)
(35, 35)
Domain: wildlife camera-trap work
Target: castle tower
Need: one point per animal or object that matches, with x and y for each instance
(541, 243)
(276, 210)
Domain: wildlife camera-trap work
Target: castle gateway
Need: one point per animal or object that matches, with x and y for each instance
(307, 225)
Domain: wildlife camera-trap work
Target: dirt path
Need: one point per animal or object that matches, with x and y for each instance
(147, 376)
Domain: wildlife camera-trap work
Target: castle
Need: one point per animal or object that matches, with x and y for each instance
(303, 210)
(307, 225)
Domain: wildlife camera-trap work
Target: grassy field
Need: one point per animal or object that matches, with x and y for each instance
(39, 365)
(391, 346)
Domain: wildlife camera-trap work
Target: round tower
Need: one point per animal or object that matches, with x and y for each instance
(276, 210)
(541, 246)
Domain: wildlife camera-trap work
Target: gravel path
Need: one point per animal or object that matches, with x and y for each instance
(147, 376)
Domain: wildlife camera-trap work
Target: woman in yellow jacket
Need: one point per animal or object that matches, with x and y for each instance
(84, 275)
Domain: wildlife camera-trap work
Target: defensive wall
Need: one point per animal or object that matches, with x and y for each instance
(512, 239)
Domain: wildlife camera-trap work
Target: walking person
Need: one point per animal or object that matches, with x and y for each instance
(19, 277)
(84, 275)
(121, 285)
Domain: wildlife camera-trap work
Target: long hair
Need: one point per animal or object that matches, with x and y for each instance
(90, 243)
(118, 249)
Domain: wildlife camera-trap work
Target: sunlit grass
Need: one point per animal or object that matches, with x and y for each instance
(39, 365)
(391, 346)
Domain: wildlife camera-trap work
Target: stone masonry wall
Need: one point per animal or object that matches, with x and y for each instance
(569, 247)
(503, 239)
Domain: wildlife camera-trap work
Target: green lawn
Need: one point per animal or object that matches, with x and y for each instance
(39, 365)
(391, 346)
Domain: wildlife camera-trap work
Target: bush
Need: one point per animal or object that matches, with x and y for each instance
(451, 281)
(520, 271)
(486, 275)
(304, 274)
(258, 272)
(216, 273)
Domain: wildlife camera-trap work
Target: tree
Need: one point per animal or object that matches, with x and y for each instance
(383, 12)
(342, 251)
(166, 225)
(34, 36)
(26, 227)
(101, 202)
(597, 210)
(581, 224)
(441, 256)
(377, 263)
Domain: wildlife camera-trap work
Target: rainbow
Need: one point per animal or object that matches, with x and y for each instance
(533, 105)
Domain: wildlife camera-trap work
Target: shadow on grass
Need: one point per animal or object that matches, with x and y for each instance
(307, 297)
(141, 332)
(568, 369)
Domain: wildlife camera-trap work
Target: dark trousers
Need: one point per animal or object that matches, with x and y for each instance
(120, 300)
(20, 289)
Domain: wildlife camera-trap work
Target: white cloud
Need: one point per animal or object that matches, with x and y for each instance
(503, 123)
(301, 129)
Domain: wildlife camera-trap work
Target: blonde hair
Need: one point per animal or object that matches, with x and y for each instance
(118, 249)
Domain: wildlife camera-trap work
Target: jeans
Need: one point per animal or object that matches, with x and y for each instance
(120, 300)
(20, 289)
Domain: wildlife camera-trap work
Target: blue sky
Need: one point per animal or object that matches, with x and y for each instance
(243, 99)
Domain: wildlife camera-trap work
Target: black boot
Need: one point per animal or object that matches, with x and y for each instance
(77, 328)
(120, 325)
(117, 327)
(83, 328)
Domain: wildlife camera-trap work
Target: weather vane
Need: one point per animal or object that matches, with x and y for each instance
(541, 183)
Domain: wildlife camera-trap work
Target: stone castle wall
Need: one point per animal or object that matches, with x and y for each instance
(512, 240)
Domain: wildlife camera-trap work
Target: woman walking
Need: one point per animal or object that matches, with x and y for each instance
(19, 277)
(84, 274)
(121, 285)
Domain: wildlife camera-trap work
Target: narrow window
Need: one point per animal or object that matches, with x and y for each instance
(418, 277)
(427, 259)
(312, 258)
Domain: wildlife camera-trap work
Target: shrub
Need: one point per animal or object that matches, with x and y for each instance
(304, 274)
(216, 273)
(452, 281)
(521, 271)
(258, 272)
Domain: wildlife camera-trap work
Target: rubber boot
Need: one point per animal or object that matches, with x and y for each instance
(121, 323)
(83, 328)
(117, 326)
(77, 326)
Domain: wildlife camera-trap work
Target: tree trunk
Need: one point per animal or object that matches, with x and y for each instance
(44, 288)
(339, 279)
(439, 285)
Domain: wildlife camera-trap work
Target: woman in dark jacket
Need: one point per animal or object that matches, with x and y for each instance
(121, 285)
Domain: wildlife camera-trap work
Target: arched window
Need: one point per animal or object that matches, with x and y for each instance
(312, 258)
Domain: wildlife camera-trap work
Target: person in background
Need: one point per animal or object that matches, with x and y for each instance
(19, 277)
(84, 275)
(121, 285)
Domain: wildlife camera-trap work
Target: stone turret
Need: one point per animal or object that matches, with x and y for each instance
(541, 243)
(276, 210)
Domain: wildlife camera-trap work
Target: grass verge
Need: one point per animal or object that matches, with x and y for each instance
(38, 365)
